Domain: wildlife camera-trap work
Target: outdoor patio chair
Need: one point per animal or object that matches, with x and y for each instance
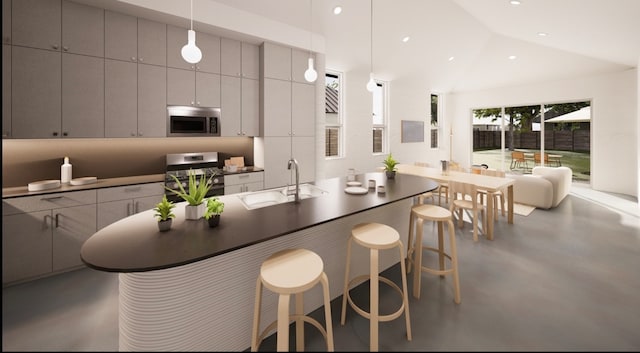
(518, 161)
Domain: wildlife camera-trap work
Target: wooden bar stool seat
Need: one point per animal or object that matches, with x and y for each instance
(441, 215)
(375, 237)
(287, 272)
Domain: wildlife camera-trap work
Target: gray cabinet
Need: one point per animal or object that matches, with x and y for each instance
(250, 61)
(121, 99)
(209, 46)
(82, 29)
(288, 108)
(240, 106)
(152, 42)
(82, 96)
(37, 24)
(278, 150)
(42, 235)
(239, 59)
(119, 202)
(6, 22)
(152, 101)
(243, 182)
(120, 36)
(36, 96)
(277, 61)
(193, 88)
(6, 90)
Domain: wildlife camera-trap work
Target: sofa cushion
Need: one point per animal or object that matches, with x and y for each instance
(560, 178)
(532, 190)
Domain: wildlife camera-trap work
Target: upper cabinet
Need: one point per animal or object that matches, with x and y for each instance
(120, 36)
(152, 42)
(37, 24)
(209, 46)
(82, 29)
(6, 22)
(277, 61)
(250, 61)
(239, 59)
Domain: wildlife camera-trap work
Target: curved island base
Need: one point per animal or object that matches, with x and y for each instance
(208, 305)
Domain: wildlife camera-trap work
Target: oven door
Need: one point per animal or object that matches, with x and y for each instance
(180, 125)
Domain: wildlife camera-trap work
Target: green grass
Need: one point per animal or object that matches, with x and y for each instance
(579, 162)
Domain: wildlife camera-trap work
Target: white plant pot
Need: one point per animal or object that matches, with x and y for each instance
(194, 212)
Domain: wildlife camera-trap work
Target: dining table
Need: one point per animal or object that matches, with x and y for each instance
(484, 182)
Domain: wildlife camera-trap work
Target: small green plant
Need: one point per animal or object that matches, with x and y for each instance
(390, 164)
(164, 209)
(214, 207)
(197, 188)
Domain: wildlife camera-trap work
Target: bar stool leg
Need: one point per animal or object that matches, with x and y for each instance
(417, 260)
(441, 245)
(283, 323)
(299, 322)
(327, 311)
(345, 291)
(454, 262)
(405, 295)
(410, 244)
(256, 316)
(373, 301)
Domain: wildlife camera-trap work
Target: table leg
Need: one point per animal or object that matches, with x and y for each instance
(510, 203)
(489, 220)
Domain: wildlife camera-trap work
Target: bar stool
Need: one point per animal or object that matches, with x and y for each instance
(441, 215)
(375, 237)
(286, 272)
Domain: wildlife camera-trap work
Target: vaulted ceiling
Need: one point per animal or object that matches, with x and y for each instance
(584, 37)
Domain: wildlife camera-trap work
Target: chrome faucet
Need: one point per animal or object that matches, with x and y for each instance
(293, 162)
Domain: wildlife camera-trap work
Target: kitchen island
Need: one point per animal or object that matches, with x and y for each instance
(192, 288)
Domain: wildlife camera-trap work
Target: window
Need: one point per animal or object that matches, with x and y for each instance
(333, 115)
(435, 126)
(379, 118)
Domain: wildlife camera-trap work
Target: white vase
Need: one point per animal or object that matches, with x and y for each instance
(194, 212)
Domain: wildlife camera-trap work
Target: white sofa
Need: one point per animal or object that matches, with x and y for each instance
(544, 188)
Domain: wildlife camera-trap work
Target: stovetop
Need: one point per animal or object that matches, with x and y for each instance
(183, 174)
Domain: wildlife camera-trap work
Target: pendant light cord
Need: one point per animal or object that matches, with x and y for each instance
(192, 15)
(311, 34)
(371, 32)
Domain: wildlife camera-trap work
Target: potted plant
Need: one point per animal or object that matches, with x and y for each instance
(164, 214)
(390, 166)
(197, 190)
(213, 211)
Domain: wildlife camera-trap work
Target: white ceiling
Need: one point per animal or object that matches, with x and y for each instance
(585, 37)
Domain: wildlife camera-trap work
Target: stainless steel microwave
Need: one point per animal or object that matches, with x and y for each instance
(192, 121)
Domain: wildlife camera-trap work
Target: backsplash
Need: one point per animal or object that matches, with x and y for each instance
(25, 161)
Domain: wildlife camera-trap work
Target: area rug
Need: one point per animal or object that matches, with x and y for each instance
(523, 210)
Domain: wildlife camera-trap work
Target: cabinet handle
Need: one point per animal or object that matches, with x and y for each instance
(55, 133)
(128, 209)
(198, 103)
(45, 220)
(133, 134)
(136, 208)
(133, 189)
(65, 134)
(244, 176)
(192, 102)
(57, 220)
(52, 198)
(141, 59)
(140, 134)
(133, 58)
(65, 48)
(55, 46)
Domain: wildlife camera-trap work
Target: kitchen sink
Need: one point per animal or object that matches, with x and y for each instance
(264, 198)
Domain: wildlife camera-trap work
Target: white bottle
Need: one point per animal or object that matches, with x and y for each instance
(65, 171)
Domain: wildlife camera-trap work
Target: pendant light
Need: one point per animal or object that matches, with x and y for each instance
(190, 52)
(311, 75)
(371, 85)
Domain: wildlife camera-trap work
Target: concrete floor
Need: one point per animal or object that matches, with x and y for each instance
(558, 280)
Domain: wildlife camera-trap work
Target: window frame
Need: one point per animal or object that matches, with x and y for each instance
(385, 120)
(438, 125)
(340, 124)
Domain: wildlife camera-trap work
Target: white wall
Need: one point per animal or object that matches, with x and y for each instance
(614, 138)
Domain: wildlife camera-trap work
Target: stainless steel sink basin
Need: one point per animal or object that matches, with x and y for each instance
(264, 198)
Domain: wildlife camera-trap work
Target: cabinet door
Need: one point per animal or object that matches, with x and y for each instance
(231, 106)
(277, 151)
(152, 101)
(152, 42)
(277, 61)
(258, 185)
(299, 64)
(37, 23)
(250, 61)
(36, 77)
(277, 108)
(146, 203)
(120, 36)
(82, 96)
(304, 151)
(82, 29)
(210, 47)
(233, 189)
(6, 90)
(6, 22)
(113, 211)
(250, 107)
(303, 122)
(230, 57)
(72, 227)
(207, 89)
(26, 245)
(181, 87)
(121, 99)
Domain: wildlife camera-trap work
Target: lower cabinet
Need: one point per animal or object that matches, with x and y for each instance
(119, 202)
(42, 235)
(244, 182)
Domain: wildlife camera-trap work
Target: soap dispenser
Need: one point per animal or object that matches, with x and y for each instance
(65, 171)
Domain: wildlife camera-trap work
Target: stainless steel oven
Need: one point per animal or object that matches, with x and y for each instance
(192, 121)
(181, 165)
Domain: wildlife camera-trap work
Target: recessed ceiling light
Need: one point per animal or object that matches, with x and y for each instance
(337, 10)
(406, 39)
(512, 57)
(451, 58)
(542, 34)
(515, 2)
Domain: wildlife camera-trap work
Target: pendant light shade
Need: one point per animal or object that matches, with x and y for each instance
(190, 52)
(371, 85)
(311, 75)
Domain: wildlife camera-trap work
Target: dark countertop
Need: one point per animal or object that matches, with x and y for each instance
(134, 244)
(20, 191)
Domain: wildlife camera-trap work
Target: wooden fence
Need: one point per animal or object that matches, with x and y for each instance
(577, 140)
